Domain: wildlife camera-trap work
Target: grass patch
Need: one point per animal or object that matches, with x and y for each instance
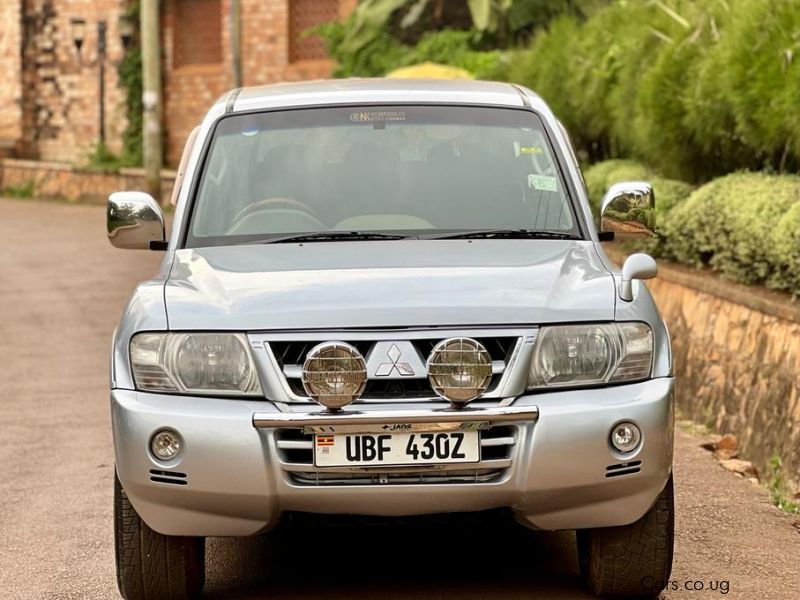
(104, 160)
(24, 190)
(692, 428)
(776, 484)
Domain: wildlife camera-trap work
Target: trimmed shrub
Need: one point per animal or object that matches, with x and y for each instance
(730, 225)
(784, 252)
(669, 193)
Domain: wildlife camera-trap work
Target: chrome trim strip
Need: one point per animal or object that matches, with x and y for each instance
(368, 479)
(495, 414)
(515, 377)
(309, 445)
(312, 335)
(501, 441)
(493, 464)
(295, 444)
(293, 371)
(231, 100)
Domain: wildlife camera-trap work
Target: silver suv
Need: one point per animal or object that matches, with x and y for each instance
(388, 298)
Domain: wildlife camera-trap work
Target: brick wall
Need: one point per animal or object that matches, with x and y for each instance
(736, 363)
(736, 355)
(60, 87)
(49, 94)
(63, 181)
(190, 89)
(10, 59)
(191, 86)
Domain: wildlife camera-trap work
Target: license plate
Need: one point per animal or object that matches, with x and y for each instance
(396, 449)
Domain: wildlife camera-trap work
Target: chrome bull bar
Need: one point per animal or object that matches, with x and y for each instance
(498, 414)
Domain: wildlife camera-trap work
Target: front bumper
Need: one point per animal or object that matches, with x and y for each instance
(237, 481)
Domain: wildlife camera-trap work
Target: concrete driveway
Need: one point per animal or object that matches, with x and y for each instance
(62, 288)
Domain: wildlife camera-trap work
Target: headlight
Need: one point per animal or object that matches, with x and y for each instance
(194, 363)
(576, 355)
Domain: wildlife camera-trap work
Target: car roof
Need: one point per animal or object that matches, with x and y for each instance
(382, 91)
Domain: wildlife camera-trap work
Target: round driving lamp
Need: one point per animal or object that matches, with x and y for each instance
(625, 437)
(165, 445)
(334, 374)
(459, 369)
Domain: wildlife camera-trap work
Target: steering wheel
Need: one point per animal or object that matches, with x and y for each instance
(271, 204)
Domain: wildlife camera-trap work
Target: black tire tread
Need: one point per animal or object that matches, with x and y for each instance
(152, 566)
(633, 561)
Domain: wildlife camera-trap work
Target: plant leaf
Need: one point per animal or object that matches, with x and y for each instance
(369, 18)
(414, 13)
(674, 15)
(481, 11)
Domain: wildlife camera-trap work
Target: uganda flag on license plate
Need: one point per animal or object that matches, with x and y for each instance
(324, 440)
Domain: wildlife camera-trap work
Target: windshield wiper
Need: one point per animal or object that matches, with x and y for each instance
(503, 233)
(328, 236)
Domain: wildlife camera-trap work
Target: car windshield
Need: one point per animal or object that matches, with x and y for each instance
(411, 170)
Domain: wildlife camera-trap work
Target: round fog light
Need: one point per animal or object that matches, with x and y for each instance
(165, 445)
(625, 437)
(334, 374)
(460, 370)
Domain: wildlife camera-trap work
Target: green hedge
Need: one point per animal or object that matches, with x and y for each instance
(386, 53)
(745, 225)
(695, 88)
(381, 55)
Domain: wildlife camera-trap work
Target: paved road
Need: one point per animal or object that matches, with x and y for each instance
(61, 292)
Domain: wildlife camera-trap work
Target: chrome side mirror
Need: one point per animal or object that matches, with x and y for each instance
(629, 210)
(636, 266)
(134, 220)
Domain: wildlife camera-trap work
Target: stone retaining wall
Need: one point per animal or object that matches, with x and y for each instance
(63, 181)
(737, 361)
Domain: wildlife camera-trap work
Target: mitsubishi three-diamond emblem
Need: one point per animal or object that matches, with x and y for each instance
(395, 360)
(402, 368)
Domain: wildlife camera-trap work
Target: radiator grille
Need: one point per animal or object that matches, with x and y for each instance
(290, 356)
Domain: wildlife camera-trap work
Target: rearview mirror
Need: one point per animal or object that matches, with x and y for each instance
(134, 220)
(629, 210)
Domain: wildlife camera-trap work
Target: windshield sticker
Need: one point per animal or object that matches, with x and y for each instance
(377, 116)
(530, 150)
(544, 183)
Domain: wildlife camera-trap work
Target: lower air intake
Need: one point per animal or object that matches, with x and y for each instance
(620, 469)
(168, 477)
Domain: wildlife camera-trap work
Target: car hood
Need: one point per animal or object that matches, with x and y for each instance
(401, 283)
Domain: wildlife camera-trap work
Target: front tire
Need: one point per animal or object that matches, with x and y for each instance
(632, 561)
(152, 566)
